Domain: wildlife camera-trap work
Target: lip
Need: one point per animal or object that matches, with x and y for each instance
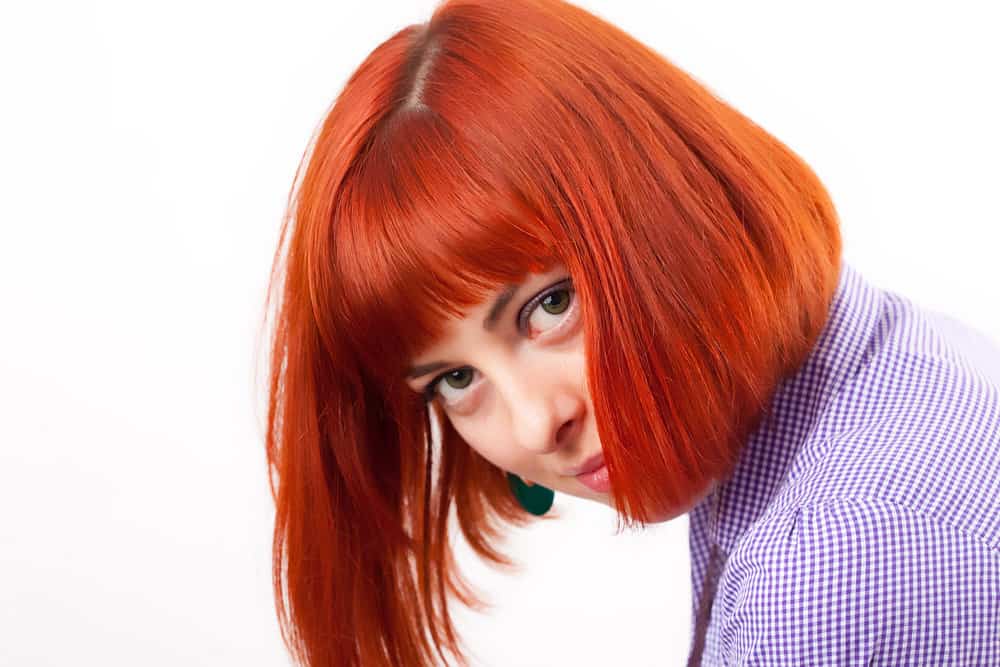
(596, 480)
(590, 465)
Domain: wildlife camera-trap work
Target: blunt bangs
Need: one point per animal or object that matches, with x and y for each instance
(426, 228)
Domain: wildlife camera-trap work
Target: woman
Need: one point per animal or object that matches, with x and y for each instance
(526, 255)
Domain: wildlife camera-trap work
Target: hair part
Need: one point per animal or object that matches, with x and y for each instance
(463, 153)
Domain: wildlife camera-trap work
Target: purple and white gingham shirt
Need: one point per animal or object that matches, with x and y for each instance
(861, 525)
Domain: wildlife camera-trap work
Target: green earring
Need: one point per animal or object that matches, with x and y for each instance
(536, 498)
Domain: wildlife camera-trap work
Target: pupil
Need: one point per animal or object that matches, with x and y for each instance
(456, 375)
(558, 307)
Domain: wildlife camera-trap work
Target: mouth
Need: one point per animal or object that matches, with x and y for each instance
(590, 465)
(597, 480)
(594, 474)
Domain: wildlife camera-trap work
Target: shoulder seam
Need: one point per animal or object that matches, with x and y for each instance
(843, 500)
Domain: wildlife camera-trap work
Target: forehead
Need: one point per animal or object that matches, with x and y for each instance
(478, 319)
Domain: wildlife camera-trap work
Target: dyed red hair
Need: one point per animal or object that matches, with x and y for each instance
(462, 154)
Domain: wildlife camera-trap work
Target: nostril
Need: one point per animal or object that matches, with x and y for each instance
(565, 430)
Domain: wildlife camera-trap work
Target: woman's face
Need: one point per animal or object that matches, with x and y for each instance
(511, 377)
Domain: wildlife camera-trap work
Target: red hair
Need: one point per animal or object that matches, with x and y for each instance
(462, 154)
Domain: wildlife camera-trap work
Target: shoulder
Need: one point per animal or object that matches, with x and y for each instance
(858, 581)
(917, 427)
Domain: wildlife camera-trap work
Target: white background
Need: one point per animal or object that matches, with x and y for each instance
(146, 151)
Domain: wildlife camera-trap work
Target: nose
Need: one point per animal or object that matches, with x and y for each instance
(545, 415)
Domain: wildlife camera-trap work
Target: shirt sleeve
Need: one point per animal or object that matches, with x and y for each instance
(859, 582)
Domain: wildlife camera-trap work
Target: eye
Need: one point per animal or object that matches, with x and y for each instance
(548, 310)
(547, 313)
(457, 379)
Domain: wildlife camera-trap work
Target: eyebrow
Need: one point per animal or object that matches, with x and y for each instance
(491, 319)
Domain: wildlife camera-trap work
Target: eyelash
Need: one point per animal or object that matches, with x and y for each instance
(524, 314)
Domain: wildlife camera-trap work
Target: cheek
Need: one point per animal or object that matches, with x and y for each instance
(487, 441)
(490, 441)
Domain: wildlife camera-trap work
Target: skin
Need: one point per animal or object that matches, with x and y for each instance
(519, 396)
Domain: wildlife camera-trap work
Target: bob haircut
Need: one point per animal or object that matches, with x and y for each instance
(463, 153)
